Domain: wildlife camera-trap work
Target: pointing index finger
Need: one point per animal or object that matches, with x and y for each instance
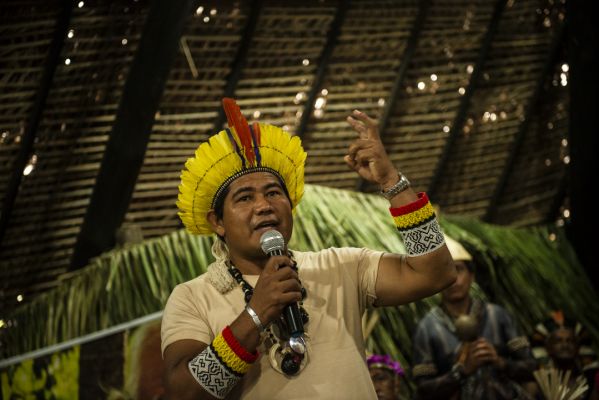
(358, 126)
(370, 124)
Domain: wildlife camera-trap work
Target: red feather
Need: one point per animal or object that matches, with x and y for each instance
(257, 134)
(237, 121)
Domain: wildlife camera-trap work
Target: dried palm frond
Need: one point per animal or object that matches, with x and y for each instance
(556, 384)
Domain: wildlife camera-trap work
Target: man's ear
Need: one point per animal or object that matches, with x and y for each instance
(216, 223)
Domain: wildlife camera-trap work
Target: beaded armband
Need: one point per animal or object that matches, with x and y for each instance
(222, 364)
(418, 226)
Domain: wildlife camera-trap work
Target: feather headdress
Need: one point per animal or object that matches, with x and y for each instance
(234, 152)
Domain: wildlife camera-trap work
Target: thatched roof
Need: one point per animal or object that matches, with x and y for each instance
(469, 96)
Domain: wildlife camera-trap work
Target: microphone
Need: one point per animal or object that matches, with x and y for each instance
(273, 244)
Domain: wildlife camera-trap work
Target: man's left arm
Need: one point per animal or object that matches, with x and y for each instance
(428, 268)
(519, 364)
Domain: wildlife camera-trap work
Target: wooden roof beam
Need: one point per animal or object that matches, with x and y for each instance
(27, 140)
(583, 141)
(240, 59)
(460, 117)
(554, 52)
(406, 58)
(323, 65)
(126, 147)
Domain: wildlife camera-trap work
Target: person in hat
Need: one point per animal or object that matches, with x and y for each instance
(386, 375)
(287, 326)
(469, 349)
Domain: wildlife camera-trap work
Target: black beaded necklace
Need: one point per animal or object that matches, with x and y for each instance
(290, 364)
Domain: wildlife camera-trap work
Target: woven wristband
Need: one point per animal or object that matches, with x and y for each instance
(221, 365)
(418, 226)
(238, 348)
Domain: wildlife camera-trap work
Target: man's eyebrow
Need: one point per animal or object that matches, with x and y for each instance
(271, 185)
(243, 189)
(250, 189)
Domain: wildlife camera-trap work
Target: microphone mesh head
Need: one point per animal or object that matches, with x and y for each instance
(272, 241)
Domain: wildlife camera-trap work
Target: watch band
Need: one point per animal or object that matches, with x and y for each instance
(399, 187)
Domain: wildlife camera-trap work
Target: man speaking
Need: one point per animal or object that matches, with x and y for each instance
(226, 334)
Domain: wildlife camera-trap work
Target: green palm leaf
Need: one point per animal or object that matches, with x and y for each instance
(520, 269)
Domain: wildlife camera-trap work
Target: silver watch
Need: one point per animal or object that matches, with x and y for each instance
(396, 189)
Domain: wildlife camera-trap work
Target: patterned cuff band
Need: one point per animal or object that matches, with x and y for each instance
(418, 226)
(219, 368)
(212, 374)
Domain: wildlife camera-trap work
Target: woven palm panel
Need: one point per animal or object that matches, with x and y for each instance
(436, 79)
(533, 187)
(187, 112)
(282, 61)
(24, 44)
(361, 73)
(510, 75)
(71, 138)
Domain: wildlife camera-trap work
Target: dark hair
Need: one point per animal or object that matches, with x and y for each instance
(219, 204)
(219, 207)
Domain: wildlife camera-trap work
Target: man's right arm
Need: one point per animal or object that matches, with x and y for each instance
(275, 288)
(179, 382)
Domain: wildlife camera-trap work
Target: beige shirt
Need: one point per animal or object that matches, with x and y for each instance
(340, 284)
